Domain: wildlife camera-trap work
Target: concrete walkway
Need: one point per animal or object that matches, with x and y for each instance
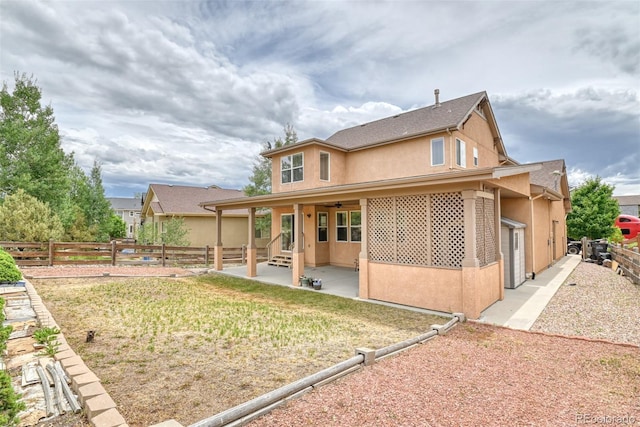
(521, 307)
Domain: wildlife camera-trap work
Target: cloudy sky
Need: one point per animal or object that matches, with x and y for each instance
(188, 92)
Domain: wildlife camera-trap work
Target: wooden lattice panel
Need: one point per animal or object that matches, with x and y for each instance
(480, 225)
(485, 231)
(489, 231)
(447, 230)
(381, 229)
(413, 224)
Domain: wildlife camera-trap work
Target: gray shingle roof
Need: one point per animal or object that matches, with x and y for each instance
(545, 177)
(628, 200)
(421, 121)
(184, 200)
(125, 203)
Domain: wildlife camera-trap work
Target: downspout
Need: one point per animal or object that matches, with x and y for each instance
(533, 229)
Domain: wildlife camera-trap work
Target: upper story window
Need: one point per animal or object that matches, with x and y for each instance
(475, 156)
(461, 153)
(324, 166)
(437, 151)
(131, 213)
(292, 168)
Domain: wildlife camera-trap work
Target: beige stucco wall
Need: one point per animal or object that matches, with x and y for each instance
(518, 183)
(476, 133)
(203, 231)
(410, 158)
(486, 287)
(468, 290)
(433, 288)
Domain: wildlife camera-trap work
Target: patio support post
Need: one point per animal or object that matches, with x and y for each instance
(297, 257)
(217, 250)
(251, 246)
(363, 257)
(470, 262)
(498, 227)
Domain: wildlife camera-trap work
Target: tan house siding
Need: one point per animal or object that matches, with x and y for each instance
(477, 133)
(402, 159)
(436, 288)
(517, 183)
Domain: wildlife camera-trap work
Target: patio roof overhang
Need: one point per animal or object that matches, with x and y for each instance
(348, 192)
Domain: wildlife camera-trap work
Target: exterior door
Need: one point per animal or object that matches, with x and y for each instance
(287, 228)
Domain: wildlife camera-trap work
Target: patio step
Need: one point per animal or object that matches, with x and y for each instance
(280, 261)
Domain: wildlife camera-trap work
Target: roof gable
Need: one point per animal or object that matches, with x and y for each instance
(448, 115)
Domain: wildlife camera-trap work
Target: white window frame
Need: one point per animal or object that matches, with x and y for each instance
(344, 226)
(475, 156)
(291, 170)
(433, 142)
(461, 153)
(348, 226)
(328, 171)
(323, 227)
(352, 227)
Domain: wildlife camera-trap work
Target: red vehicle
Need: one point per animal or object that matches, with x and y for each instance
(629, 225)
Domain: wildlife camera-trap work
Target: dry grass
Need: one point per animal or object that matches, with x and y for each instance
(187, 348)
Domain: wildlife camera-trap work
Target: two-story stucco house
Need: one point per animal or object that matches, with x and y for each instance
(415, 201)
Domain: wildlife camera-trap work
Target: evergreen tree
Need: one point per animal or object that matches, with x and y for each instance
(30, 154)
(24, 218)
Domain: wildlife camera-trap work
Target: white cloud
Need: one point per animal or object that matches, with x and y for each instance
(187, 92)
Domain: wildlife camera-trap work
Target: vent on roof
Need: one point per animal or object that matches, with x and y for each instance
(437, 94)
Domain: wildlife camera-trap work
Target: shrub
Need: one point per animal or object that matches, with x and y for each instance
(9, 271)
(10, 405)
(5, 331)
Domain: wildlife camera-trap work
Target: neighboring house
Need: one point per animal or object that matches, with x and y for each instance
(629, 205)
(415, 202)
(164, 202)
(127, 208)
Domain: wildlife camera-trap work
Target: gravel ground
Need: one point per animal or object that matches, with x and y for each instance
(479, 375)
(594, 302)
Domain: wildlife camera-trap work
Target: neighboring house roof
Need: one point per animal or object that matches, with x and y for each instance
(628, 200)
(182, 200)
(447, 115)
(125, 203)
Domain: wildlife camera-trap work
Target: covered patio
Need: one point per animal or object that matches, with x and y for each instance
(339, 281)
